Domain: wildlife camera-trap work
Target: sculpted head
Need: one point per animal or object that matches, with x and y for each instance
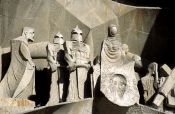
(152, 68)
(120, 84)
(112, 30)
(58, 38)
(76, 34)
(125, 47)
(28, 33)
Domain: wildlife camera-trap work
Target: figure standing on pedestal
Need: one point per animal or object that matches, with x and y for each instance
(56, 89)
(118, 80)
(78, 58)
(19, 79)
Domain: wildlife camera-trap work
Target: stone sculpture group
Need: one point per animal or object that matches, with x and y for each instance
(114, 70)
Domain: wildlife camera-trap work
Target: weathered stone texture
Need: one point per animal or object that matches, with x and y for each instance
(135, 24)
(16, 14)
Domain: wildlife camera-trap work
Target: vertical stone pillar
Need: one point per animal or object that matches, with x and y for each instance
(0, 63)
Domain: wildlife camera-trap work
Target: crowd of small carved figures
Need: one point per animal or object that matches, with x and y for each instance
(113, 73)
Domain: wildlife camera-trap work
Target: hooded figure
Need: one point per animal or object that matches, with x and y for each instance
(19, 79)
(118, 80)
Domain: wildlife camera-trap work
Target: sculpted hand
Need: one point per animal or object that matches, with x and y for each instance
(57, 64)
(31, 65)
(72, 67)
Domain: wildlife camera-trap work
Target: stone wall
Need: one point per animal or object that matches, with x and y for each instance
(135, 24)
(16, 14)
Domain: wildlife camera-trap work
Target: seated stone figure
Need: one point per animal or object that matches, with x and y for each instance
(118, 80)
(53, 49)
(77, 55)
(19, 79)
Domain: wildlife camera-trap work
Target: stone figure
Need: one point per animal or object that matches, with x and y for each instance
(77, 55)
(129, 55)
(53, 60)
(19, 79)
(118, 80)
(150, 82)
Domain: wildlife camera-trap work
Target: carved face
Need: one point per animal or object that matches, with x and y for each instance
(152, 68)
(29, 34)
(58, 39)
(125, 48)
(76, 34)
(119, 84)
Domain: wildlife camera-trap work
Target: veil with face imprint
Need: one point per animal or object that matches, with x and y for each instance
(118, 81)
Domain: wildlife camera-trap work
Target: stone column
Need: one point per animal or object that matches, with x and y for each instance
(0, 63)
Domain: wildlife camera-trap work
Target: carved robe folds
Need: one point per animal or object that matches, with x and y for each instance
(78, 55)
(118, 81)
(19, 79)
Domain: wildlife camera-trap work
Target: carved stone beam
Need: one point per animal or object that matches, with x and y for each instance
(171, 97)
(165, 69)
(38, 50)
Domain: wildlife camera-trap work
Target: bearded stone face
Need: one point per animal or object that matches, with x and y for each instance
(118, 84)
(29, 33)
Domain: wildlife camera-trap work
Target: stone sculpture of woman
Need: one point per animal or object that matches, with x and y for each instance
(118, 80)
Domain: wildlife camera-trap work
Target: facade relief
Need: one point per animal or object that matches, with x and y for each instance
(75, 77)
(118, 80)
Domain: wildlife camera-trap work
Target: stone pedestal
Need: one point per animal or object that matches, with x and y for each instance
(9, 105)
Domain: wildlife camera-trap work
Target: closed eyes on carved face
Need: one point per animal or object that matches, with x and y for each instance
(58, 37)
(58, 40)
(120, 84)
(77, 36)
(77, 32)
